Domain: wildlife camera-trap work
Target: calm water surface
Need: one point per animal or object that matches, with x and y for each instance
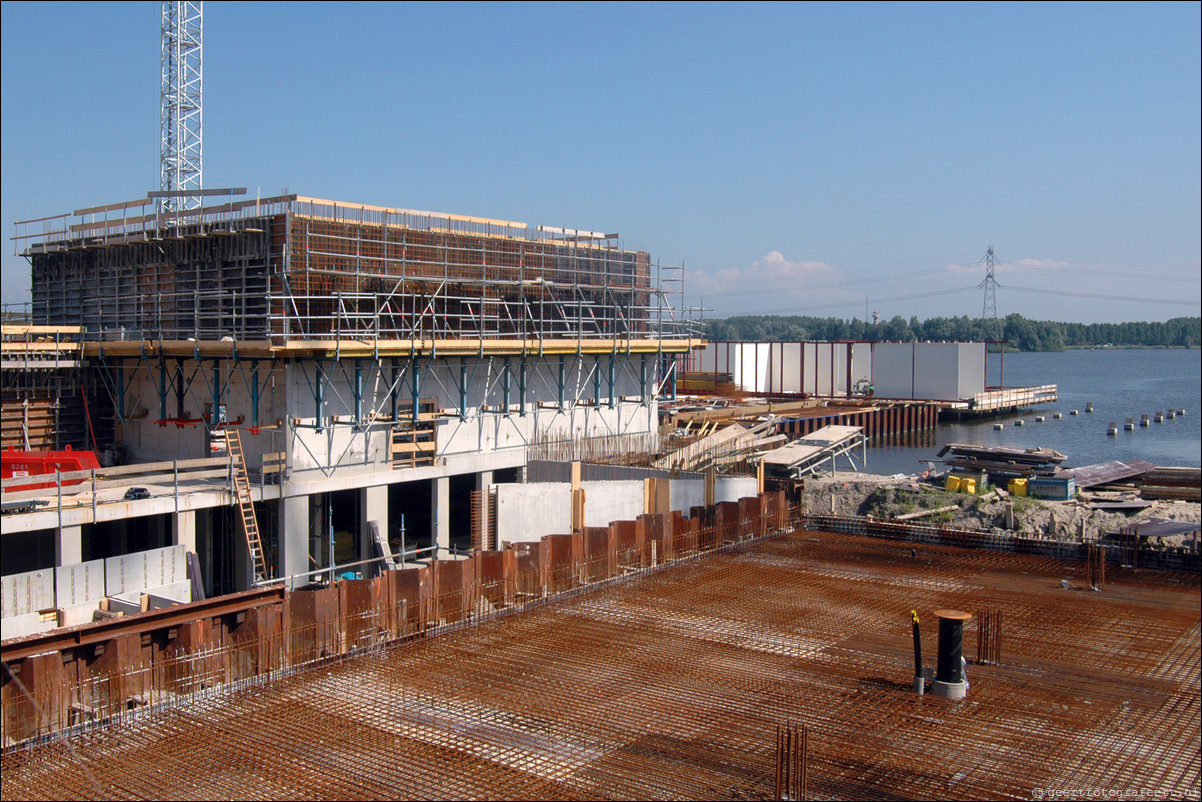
(1121, 384)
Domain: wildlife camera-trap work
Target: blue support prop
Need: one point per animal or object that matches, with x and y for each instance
(463, 388)
(522, 387)
(318, 394)
(613, 378)
(506, 380)
(417, 388)
(358, 390)
(120, 390)
(162, 389)
(562, 380)
(393, 385)
(643, 389)
(254, 393)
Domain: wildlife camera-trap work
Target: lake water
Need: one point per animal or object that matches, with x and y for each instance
(1121, 383)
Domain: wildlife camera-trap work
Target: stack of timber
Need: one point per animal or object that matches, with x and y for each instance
(755, 411)
(1180, 484)
(1002, 460)
(727, 446)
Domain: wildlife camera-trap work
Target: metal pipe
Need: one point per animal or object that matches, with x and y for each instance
(919, 680)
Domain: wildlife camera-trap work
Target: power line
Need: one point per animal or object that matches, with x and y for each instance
(1101, 297)
(857, 302)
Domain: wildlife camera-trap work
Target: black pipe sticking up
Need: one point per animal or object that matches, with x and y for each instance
(950, 667)
(919, 681)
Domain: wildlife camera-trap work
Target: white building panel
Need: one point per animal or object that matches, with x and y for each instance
(936, 371)
(809, 368)
(23, 594)
(972, 369)
(893, 370)
(81, 583)
(790, 368)
(145, 569)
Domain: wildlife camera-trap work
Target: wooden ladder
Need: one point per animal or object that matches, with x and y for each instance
(242, 489)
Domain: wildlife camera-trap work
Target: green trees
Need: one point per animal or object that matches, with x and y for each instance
(1020, 333)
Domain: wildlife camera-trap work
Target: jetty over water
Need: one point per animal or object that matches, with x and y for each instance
(1007, 399)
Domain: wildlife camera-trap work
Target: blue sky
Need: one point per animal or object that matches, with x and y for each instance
(814, 159)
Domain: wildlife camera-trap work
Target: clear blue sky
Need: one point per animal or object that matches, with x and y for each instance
(797, 159)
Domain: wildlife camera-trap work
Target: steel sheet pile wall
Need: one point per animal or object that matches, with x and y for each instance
(674, 686)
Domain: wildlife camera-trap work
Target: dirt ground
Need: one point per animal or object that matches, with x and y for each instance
(887, 498)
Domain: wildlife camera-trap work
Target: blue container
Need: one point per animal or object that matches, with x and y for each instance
(1052, 489)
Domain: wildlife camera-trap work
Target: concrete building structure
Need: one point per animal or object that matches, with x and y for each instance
(378, 365)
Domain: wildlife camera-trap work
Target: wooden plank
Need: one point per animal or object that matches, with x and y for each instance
(414, 448)
(924, 513)
(20, 347)
(25, 328)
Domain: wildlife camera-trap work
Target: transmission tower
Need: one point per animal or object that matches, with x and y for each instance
(180, 148)
(993, 329)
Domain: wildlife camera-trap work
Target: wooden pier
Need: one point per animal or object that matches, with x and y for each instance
(1008, 399)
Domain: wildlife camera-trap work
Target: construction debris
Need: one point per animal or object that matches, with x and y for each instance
(726, 446)
(808, 454)
(1002, 460)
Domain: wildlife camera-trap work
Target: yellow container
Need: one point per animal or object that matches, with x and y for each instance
(1017, 487)
(969, 486)
(953, 483)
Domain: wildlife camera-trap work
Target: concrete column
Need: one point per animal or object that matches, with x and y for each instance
(374, 503)
(184, 525)
(440, 512)
(294, 537)
(68, 545)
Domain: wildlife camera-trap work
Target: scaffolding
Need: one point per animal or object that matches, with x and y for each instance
(292, 269)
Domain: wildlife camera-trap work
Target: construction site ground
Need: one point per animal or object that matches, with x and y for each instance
(672, 686)
(887, 497)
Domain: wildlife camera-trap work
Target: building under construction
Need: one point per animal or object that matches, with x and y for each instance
(365, 369)
(302, 542)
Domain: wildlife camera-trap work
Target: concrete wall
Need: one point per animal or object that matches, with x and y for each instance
(145, 569)
(146, 441)
(287, 394)
(78, 589)
(733, 488)
(527, 512)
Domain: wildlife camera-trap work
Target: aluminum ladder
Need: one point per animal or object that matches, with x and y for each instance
(250, 524)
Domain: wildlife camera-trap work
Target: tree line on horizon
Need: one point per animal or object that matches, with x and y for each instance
(1019, 333)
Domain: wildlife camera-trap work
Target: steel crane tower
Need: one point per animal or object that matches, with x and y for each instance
(180, 147)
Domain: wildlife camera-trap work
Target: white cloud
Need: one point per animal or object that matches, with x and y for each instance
(1001, 267)
(1023, 264)
(771, 271)
(771, 285)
